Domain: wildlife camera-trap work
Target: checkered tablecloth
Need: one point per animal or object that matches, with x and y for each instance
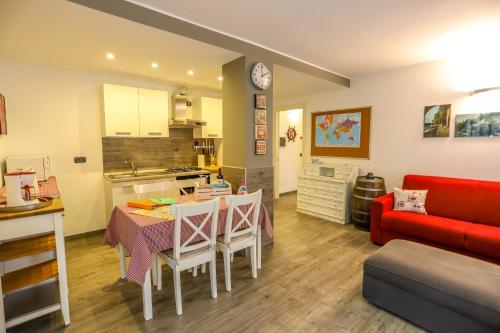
(143, 236)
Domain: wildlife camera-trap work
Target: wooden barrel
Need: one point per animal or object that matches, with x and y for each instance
(365, 190)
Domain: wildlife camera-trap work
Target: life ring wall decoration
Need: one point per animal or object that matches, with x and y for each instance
(291, 133)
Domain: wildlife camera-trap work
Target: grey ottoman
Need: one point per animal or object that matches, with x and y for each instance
(437, 290)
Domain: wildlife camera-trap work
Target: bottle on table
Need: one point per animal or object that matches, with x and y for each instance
(243, 188)
(220, 177)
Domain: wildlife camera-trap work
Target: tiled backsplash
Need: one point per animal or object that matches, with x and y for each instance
(177, 150)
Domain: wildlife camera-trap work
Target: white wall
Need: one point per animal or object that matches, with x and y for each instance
(56, 112)
(290, 161)
(397, 145)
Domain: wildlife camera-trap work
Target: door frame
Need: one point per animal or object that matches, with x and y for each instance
(276, 139)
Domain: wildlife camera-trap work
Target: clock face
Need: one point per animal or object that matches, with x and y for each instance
(261, 76)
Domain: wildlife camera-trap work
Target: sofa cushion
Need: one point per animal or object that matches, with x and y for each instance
(447, 197)
(488, 199)
(433, 228)
(483, 239)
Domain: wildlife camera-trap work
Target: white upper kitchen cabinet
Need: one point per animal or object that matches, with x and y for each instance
(121, 114)
(208, 109)
(153, 113)
(132, 111)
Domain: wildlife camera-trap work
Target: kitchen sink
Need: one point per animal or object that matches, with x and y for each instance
(140, 174)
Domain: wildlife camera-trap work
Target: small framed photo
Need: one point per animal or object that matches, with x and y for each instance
(260, 132)
(260, 101)
(260, 147)
(260, 117)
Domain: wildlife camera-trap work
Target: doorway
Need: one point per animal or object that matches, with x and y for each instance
(289, 149)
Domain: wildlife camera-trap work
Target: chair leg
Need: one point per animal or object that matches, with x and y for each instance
(204, 267)
(154, 266)
(195, 271)
(177, 290)
(227, 268)
(232, 257)
(253, 260)
(213, 277)
(158, 274)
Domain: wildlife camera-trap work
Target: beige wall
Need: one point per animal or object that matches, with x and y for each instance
(398, 98)
(56, 112)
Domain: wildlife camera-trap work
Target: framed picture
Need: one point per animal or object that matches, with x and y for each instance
(437, 121)
(260, 116)
(260, 147)
(261, 132)
(260, 101)
(477, 124)
(3, 116)
(341, 133)
(282, 141)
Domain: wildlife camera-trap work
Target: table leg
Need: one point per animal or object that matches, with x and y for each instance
(259, 248)
(61, 266)
(2, 314)
(123, 262)
(147, 300)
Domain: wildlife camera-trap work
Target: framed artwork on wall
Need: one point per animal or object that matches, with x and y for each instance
(341, 133)
(260, 117)
(477, 124)
(261, 132)
(260, 101)
(3, 116)
(260, 147)
(437, 121)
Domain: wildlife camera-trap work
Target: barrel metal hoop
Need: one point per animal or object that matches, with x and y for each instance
(360, 197)
(379, 180)
(368, 189)
(359, 212)
(356, 219)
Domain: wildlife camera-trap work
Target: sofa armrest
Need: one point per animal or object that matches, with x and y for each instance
(378, 208)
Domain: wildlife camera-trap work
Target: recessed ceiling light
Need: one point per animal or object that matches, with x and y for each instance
(220, 78)
(190, 72)
(154, 65)
(110, 56)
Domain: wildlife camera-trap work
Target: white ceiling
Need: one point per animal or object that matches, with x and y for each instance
(350, 37)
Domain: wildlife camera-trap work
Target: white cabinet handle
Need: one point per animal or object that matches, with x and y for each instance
(123, 133)
(154, 133)
(212, 135)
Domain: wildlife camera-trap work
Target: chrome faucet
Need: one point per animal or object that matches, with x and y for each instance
(134, 169)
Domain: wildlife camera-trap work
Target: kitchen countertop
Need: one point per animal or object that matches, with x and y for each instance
(212, 169)
(144, 175)
(55, 207)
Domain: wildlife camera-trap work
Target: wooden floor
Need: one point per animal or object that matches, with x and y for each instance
(310, 282)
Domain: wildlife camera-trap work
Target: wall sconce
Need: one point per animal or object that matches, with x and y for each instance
(478, 91)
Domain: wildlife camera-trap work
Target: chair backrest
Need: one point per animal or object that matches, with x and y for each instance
(195, 226)
(147, 191)
(242, 215)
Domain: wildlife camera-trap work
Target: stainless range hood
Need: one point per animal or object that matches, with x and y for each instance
(181, 111)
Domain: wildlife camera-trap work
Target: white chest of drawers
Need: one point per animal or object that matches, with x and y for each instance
(326, 197)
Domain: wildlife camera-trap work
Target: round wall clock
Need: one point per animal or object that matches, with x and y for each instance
(291, 134)
(261, 76)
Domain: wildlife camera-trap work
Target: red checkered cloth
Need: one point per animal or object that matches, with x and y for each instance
(143, 236)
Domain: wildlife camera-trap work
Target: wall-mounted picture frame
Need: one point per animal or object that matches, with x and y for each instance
(437, 121)
(260, 147)
(3, 116)
(477, 125)
(341, 133)
(260, 116)
(260, 101)
(260, 132)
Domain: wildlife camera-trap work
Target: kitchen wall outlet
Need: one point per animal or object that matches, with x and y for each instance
(80, 159)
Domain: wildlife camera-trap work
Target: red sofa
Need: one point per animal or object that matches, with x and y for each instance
(463, 216)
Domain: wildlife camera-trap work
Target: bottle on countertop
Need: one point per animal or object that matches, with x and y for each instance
(220, 177)
(243, 187)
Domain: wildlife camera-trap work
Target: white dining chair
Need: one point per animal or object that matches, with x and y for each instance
(186, 254)
(241, 230)
(155, 190)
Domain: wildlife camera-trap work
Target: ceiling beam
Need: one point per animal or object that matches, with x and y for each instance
(152, 18)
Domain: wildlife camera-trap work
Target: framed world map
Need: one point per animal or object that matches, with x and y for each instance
(341, 133)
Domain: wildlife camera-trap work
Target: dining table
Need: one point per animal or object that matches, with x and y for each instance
(141, 237)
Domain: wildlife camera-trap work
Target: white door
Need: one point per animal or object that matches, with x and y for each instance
(289, 154)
